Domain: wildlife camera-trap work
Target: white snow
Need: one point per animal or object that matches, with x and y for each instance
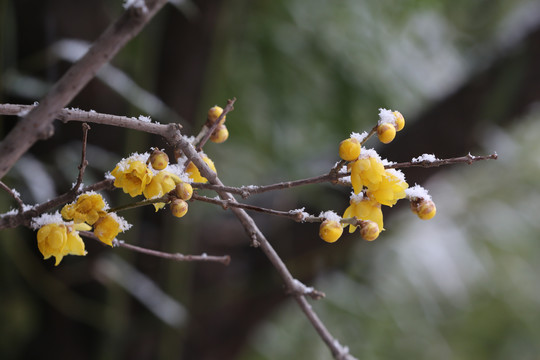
(45, 219)
(330, 215)
(124, 225)
(386, 116)
(425, 157)
(140, 4)
(300, 211)
(356, 198)
(417, 192)
(145, 118)
(359, 137)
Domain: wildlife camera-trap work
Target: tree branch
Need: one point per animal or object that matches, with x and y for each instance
(258, 239)
(225, 259)
(38, 123)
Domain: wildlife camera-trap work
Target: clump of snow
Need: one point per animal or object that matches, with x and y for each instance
(424, 157)
(387, 162)
(123, 165)
(189, 139)
(10, 213)
(356, 198)
(386, 116)
(359, 137)
(330, 215)
(178, 170)
(397, 173)
(417, 192)
(345, 180)
(26, 207)
(368, 153)
(45, 219)
(138, 4)
(124, 225)
(300, 211)
(108, 176)
(145, 118)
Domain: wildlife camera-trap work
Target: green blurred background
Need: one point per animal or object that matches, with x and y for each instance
(306, 74)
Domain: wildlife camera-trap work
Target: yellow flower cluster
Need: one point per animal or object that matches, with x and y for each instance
(373, 184)
(149, 175)
(58, 234)
(90, 208)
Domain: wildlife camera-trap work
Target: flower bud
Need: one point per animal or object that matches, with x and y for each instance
(369, 230)
(330, 230)
(158, 159)
(179, 208)
(184, 191)
(220, 134)
(400, 120)
(214, 113)
(424, 208)
(386, 132)
(349, 149)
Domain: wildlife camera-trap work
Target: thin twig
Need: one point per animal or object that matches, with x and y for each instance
(228, 108)
(38, 123)
(370, 134)
(14, 195)
(84, 162)
(332, 176)
(225, 259)
(467, 159)
(228, 203)
(246, 191)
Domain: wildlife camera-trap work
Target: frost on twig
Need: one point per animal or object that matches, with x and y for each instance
(300, 288)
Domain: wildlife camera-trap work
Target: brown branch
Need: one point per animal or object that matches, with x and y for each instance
(84, 162)
(225, 259)
(467, 159)
(14, 195)
(25, 218)
(246, 191)
(66, 115)
(258, 239)
(228, 203)
(38, 123)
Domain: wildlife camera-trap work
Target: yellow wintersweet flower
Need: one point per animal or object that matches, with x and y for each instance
(55, 240)
(132, 176)
(88, 208)
(366, 171)
(106, 228)
(194, 173)
(390, 189)
(161, 184)
(364, 208)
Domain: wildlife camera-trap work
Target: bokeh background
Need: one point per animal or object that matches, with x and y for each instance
(465, 285)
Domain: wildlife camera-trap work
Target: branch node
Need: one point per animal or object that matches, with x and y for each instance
(299, 288)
